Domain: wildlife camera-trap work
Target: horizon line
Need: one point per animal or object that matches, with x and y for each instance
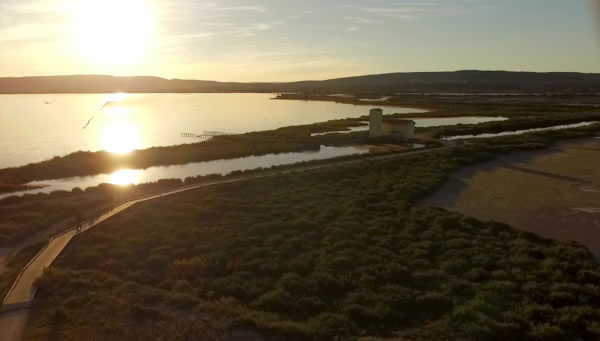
(295, 81)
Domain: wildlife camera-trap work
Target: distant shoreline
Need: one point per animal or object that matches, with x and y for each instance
(138, 92)
(468, 81)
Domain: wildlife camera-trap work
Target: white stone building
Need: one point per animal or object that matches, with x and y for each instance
(404, 129)
(378, 126)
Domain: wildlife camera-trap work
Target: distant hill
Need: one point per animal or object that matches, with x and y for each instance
(459, 81)
(109, 84)
(464, 81)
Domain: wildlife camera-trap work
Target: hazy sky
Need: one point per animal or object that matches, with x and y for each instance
(281, 40)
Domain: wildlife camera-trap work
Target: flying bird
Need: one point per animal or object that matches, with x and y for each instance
(88, 122)
(94, 115)
(110, 101)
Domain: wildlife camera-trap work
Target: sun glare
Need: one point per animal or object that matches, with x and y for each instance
(116, 97)
(112, 33)
(120, 137)
(125, 177)
(117, 111)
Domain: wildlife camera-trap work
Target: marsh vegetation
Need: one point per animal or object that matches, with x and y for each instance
(334, 253)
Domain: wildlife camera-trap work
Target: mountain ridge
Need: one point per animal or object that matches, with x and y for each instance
(452, 81)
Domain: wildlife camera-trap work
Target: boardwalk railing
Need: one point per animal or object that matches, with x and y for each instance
(9, 308)
(32, 260)
(87, 222)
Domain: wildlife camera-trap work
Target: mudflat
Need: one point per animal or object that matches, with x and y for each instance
(554, 193)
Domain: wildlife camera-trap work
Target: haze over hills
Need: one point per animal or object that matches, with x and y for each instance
(458, 81)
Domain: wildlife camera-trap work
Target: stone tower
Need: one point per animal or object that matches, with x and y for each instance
(376, 123)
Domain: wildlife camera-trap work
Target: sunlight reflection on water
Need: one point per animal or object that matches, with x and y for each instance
(120, 134)
(125, 177)
(120, 137)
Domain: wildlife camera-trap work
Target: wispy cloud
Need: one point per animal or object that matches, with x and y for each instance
(237, 8)
(300, 15)
(406, 10)
(251, 30)
(221, 30)
(282, 64)
(25, 32)
(257, 27)
(22, 22)
(201, 6)
(394, 12)
(181, 21)
(29, 7)
(192, 36)
(362, 20)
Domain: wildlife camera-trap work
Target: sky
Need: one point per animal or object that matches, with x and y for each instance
(285, 40)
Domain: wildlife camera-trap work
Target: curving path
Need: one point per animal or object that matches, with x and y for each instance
(13, 312)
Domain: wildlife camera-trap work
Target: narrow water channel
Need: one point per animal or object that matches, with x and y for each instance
(223, 167)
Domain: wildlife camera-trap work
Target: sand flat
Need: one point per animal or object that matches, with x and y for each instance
(554, 193)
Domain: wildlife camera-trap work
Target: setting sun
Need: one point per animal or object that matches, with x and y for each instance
(112, 33)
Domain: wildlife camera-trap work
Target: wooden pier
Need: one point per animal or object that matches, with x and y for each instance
(205, 134)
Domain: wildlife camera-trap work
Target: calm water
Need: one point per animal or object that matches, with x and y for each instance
(519, 132)
(38, 127)
(137, 176)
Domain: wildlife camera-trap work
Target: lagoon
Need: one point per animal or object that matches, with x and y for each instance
(38, 127)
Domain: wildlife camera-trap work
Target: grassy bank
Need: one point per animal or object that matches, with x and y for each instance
(333, 253)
